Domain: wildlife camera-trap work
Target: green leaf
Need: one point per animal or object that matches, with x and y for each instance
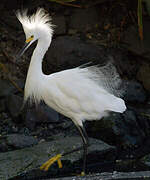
(140, 23)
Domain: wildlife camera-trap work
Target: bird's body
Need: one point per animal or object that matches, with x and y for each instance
(82, 93)
(72, 93)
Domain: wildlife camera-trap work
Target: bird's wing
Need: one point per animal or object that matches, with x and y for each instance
(82, 91)
(108, 78)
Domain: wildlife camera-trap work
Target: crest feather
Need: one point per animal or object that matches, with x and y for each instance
(40, 19)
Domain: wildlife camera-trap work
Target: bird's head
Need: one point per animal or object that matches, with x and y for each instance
(36, 27)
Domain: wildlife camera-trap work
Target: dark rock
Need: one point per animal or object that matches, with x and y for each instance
(67, 124)
(126, 64)
(24, 160)
(72, 52)
(146, 160)
(6, 88)
(134, 92)
(84, 19)
(131, 38)
(19, 141)
(143, 75)
(25, 131)
(3, 146)
(41, 114)
(60, 24)
(14, 104)
(2, 105)
(110, 175)
(31, 119)
(127, 127)
(143, 114)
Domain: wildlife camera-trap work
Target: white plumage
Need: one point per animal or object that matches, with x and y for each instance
(82, 93)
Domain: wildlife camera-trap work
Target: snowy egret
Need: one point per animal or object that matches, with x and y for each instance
(82, 93)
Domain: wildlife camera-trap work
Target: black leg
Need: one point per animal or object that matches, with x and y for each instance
(85, 145)
(85, 142)
(84, 136)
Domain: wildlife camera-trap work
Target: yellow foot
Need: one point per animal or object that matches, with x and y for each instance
(82, 173)
(48, 163)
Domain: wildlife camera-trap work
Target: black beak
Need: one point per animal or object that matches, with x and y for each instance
(21, 52)
(27, 44)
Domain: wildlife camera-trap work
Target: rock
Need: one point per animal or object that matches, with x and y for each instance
(18, 141)
(22, 161)
(146, 160)
(3, 146)
(72, 52)
(143, 75)
(13, 104)
(134, 92)
(138, 175)
(127, 127)
(147, 2)
(84, 19)
(133, 42)
(40, 114)
(102, 129)
(6, 88)
(2, 105)
(60, 24)
(143, 114)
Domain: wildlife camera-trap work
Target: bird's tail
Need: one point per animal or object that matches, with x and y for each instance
(117, 105)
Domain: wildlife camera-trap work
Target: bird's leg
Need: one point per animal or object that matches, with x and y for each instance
(85, 146)
(85, 140)
(84, 136)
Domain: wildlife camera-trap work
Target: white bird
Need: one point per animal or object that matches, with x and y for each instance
(81, 93)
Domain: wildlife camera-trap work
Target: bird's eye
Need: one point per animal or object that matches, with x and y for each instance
(29, 39)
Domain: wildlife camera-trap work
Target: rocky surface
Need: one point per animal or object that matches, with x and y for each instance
(109, 176)
(82, 35)
(15, 163)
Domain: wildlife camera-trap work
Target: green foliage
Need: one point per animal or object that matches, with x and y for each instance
(140, 23)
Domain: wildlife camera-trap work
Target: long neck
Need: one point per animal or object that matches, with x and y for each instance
(35, 76)
(35, 67)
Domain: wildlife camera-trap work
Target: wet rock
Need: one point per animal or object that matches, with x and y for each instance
(131, 38)
(72, 52)
(18, 141)
(14, 104)
(21, 161)
(84, 19)
(134, 92)
(60, 24)
(143, 75)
